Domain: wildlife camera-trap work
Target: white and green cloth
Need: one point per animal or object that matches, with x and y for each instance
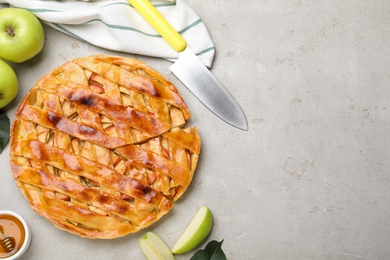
(116, 25)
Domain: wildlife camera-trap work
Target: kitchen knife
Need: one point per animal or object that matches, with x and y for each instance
(192, 72)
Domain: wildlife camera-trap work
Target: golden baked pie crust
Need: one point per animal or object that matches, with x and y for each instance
(98, 146)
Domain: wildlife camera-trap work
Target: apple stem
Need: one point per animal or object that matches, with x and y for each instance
(10, 32)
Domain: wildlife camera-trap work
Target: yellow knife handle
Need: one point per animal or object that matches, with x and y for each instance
(162, 26)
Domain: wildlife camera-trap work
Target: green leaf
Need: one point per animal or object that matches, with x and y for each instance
(213, 251)
(4, 130)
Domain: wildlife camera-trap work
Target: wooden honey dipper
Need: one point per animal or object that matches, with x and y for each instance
(8, 243)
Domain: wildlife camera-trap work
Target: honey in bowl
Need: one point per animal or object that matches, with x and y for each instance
(11, 226)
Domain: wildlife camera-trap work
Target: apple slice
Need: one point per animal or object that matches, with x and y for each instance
(154, 248)
(198, 229)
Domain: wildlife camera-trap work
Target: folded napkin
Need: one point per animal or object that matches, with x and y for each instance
(116, 25)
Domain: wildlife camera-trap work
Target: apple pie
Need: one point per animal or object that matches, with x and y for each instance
(99, 146)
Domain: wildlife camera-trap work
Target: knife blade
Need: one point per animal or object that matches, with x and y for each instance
(192, 72)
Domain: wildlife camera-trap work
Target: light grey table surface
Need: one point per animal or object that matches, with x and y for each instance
(310, 179)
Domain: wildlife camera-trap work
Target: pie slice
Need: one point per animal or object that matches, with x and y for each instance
(99, 148)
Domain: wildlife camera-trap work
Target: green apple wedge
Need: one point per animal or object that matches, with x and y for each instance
(21, 35)
(8, 84)
(198, 229)
(154, 248)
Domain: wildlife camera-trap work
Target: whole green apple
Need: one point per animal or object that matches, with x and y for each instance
(21, 35)
(8, 84)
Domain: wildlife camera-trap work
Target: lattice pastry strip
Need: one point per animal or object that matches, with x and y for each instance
(90, 197)
(98, 148)
(150, 83)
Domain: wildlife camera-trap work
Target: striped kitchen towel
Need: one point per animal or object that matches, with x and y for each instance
(116, 25)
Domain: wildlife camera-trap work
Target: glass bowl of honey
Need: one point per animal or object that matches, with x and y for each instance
(15, 235)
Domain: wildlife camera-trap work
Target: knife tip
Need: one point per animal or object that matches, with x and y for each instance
(243, 125)
(243, 128)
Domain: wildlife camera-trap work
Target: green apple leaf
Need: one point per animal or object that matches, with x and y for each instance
(4, 130)
(213, 251)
